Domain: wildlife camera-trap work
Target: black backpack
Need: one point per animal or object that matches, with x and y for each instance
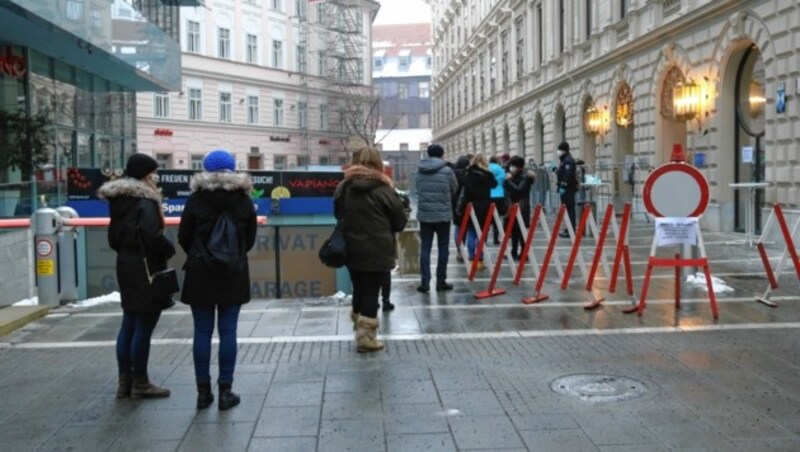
(221, 252)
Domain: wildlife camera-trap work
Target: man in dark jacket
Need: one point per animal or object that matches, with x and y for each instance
(436, 185)
(217, 191)
(567, 181)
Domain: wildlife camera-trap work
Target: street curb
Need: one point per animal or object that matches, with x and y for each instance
(14, 317)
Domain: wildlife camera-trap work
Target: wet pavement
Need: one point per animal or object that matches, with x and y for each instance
(457, 374)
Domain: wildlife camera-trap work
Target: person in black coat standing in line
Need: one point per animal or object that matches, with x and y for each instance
(478, 184)
(136, 233)
(567, 180)
(517, 187)
(216, 191)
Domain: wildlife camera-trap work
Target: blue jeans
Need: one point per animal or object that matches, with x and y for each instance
(133, 341)
(227, 320)
(472, 242)
(426, 232)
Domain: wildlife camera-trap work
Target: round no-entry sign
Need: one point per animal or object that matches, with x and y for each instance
(44, 247)
(676, 190)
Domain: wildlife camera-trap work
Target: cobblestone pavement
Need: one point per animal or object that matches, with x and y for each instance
(457, 373)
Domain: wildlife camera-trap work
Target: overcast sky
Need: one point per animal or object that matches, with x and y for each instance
(402, 12)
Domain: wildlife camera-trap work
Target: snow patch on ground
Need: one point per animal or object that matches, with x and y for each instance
(113, 297)
(699, 280)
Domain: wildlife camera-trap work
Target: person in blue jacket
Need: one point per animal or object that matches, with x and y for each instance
(498, 194)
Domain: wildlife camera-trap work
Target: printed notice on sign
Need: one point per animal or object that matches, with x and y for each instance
(676, 231)
(45, 267)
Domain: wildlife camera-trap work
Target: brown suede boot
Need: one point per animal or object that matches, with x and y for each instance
(143, 389)
(366, 335)
(124, 388)
(354, 318)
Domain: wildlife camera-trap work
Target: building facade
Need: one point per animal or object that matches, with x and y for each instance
(66, 63)
(401, 68)
(623, 81)
(264, 79)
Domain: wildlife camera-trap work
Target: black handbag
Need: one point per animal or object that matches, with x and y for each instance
(333, 252)
(163, 282)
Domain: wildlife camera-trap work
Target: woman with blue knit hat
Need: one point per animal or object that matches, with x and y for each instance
(220, 196)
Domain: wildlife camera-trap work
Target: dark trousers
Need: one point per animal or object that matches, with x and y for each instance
(227, 320)
(366, 286)
(568, 199)
(426, 232)
(500, 206)
(133, 341)
(386, 287)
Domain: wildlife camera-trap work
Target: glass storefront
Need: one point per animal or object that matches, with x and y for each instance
(90, 121)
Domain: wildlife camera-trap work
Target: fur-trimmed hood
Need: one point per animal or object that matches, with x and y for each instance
(362, 178)
(127, 186)
(221, 181)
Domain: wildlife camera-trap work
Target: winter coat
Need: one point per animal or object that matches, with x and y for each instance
(213, 193)
(566, 173)
(436, 184)
(137, 228)
(518, 190)
(478, 184)
(499, 175)
(371, 213)
(460, 171)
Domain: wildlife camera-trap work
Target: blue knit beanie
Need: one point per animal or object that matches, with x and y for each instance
(219, 160)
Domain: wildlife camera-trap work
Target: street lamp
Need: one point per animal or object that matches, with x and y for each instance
(686, 100)
(757, 98)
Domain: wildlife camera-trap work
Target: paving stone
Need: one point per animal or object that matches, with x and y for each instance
(408, 391)
(231, 436)
(351, 435)
(472, 403)
(484, 432)
(288, 421)
(555, 421)
(81, 437)
(145, 444)
(415, 418)
(345, 405)
(441, 442)
(295, 394)
(284, 444)
(571, 440)
(772, 445)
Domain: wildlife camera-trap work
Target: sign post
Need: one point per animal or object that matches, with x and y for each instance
(677, 194)
(46, 223)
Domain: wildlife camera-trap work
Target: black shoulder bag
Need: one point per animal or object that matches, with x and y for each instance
(164, 282)
(333, 252)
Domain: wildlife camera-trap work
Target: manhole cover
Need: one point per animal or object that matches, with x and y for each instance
(599, 388)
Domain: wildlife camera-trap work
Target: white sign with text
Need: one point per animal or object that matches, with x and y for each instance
(676, 231)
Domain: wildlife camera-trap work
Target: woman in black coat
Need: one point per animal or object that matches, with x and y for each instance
(136, 232)
(208, 290)
(478, 184)
(371, 214)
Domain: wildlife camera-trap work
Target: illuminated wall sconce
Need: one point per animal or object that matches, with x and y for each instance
(687, 100)
(596, 120)
(757, 98)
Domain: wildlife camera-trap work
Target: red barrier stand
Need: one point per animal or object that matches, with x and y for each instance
(788, 251)
(576, 245)
(487, 225)
(539, 296)
(526, 247)
(492, 291)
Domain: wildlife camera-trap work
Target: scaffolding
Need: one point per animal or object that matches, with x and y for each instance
(342, 50)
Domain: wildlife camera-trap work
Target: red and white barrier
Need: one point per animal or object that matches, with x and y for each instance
(788, 251)
(492, 290)
(92, 222)
(561, 217)
(621, 256)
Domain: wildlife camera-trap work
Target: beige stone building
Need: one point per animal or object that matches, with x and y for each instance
(520, 76)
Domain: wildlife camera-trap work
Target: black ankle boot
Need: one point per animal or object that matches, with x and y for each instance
(227, 398)
(204, 395)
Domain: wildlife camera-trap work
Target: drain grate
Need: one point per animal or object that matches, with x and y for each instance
(599, 388)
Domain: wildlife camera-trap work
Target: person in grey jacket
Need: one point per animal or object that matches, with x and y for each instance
(436, 185)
